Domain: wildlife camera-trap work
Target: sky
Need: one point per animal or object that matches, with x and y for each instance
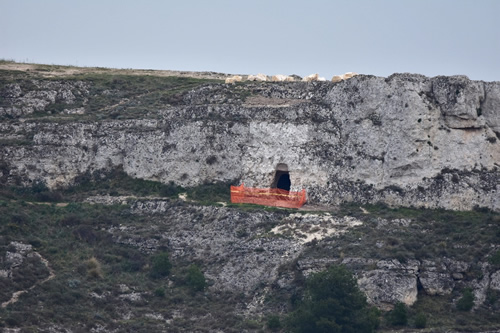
(329, 37)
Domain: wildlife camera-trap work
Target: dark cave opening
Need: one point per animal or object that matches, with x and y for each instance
(282, 178)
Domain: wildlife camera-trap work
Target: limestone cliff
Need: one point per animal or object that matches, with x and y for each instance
(403, 140)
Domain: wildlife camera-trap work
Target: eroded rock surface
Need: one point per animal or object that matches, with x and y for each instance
(403, 140)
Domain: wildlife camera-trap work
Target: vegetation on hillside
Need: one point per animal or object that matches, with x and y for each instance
(111, 95)
(93, 271)
(333, 303)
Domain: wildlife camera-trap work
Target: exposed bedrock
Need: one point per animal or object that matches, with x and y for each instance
(404, 140)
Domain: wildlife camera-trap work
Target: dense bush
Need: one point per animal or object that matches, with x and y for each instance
(466, 302)
(495, 259)
(333, 303)
(273, 323)
(399, 315)
(420, 320)
(195, 278)
(160, 265)
(210, 192)
(159, 292)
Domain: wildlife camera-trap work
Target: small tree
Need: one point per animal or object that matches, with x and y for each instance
(466, 302)
(333, 303)
(495, 259)
(420, 320)
(273, 323)
(195, 278)
(160, 265)
(399, 315)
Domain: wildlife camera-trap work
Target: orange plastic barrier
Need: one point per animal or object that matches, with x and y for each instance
(267, 196)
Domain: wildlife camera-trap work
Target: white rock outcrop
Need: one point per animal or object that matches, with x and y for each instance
(258, 77)
(341, 77)
(403, 140)
(278, 78)
(234, 79)
(312, 77)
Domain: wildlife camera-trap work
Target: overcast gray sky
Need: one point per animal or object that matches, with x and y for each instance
(379, 37)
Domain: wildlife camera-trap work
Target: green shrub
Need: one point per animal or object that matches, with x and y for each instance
(160, 265)
(492, 296)
(170, 190)
(495, 259)
(399, 315)
(273, 322)
(466, 302)
(332, 303)
(420, 320)
(159, 292)
(208, 193)
(39, 186)
(195, 278)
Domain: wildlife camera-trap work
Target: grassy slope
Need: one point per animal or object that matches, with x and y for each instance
(68, 237)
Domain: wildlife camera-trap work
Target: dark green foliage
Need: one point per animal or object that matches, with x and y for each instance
(39, 187)
(273, 322)
(495, 259)
(160, 265)
(117, 182)
(466, 302)
(38, 191)
(420, 320)
(492, 296)
(399, 315)
(170, 190)
(195, 278)
(332, 303)
(160, 292)
(210, 192)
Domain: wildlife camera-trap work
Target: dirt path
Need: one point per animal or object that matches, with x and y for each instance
(17, 294)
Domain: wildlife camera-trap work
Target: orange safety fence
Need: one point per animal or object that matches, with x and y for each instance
(268, 196)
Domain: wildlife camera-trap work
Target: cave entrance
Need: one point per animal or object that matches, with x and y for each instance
(282, 178)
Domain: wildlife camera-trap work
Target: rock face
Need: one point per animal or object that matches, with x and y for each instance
(402, 140)
(43, 96)
(389, 284)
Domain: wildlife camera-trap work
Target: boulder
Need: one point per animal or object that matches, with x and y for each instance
(278, 78)
(258, 77)
(384, 288)
(233, 79)
(312, 77)
(348, 75)
(337, 78)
